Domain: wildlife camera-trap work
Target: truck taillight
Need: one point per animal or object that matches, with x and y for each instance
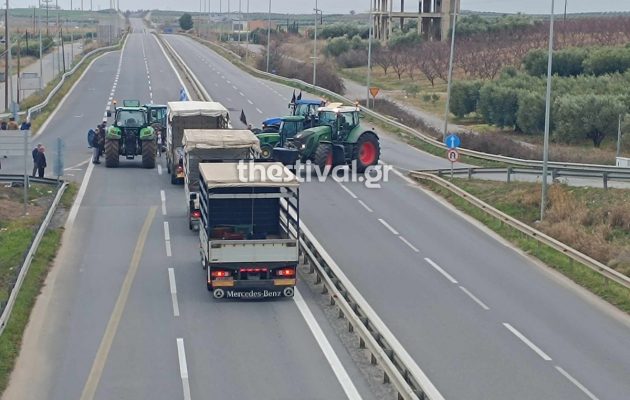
(285, 272)
(220, 274)
(196, 214)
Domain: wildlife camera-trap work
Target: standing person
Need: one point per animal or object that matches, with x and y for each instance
(25, 126)
(35, 154)
(96, 144)
(12, 125)
(103, 132)
(3, 125)
(41, 161)
(159, 144)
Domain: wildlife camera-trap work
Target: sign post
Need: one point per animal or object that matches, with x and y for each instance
(59, 159)
(373, 91)
(452, 141)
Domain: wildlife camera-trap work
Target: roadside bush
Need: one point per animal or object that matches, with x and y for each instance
(530, 116)
(337, 46)
(566, 62)
(343, 29)
(403, 41)
(607, 61)
(586, 116)
(498, 105)
(352, 59)
(464, 97)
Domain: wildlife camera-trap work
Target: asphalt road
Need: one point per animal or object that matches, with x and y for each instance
(482, 320)
(125, 312)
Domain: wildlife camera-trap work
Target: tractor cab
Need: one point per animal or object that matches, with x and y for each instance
(307, 109)
(130, 117)
(289, 127)
(156, 114)
(341, 119)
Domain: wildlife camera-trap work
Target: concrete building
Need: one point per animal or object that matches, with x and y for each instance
(434, 17)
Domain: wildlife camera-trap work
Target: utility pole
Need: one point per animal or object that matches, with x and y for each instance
(240, 23)
(543, 200)
(450, 75)
(369, 69)
(268, 34)
(39, 28)
(314, 46)
(247, 34)
(619, 138)
(6, 56)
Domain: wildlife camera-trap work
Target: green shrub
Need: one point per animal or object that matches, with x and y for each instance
(464, 97)
(607, 61)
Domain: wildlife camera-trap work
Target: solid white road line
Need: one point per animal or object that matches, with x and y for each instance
(577, 383)
(173, 286)
(475, 299)
(528, 342)
(336, 365)
(179, 78)
(74, 167)
(405, 241)
(365, 206)
(388, 226)
(77, 203)
(440, 270)
(354, 196)
(183, 367)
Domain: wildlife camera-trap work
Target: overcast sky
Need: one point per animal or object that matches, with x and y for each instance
(344, 6)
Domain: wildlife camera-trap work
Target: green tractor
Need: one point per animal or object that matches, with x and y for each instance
(338, 139)
(156, 114)
(289, 127)
(130, 135)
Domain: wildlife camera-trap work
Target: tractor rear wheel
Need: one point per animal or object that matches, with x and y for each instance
(111, 153)
(323, 156)
(148, 153)
(266, 152)
(367, 151)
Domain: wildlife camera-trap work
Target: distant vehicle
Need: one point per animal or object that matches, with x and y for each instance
(130, 135)
(189, 115)
(287, 129)
(206, 145)
(306, 108)
(338, 139)
(249, 231)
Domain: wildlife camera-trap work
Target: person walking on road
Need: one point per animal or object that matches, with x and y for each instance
(35, 154)
(41, 161)
(97, 142)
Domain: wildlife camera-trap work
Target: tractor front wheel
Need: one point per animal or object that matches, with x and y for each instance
(148, 153)
(266, 152)
(367, 151)
(323, 156)
(111, 153)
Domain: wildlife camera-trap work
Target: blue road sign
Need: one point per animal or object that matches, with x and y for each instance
(452, 141)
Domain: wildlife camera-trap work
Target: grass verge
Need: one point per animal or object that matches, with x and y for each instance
(610, 291)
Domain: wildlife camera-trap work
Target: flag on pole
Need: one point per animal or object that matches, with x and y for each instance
(243, 118)
(300, 96)
(293, 97)
(183, 96)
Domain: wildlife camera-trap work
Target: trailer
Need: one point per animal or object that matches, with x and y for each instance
(189, 115)
(212, 145)
(249, 229)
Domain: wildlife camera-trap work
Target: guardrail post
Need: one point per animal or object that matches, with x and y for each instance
(554, 174)
(470, 173)
(509, 174)
(605, 177)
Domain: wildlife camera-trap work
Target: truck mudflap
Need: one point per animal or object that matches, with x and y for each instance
(251, 283)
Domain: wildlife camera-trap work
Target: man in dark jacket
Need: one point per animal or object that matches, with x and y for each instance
(35, 154)
(41, 161)
(98, 142)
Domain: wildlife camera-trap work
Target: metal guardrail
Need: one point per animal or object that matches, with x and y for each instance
(19, 178)
(398, 367)
(198, 88)
(570, 252)
(422, 136)
(620, 174)
(38, 107)
(6, 312)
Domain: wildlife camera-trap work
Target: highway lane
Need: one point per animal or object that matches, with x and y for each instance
(81, 344)
(454, 338)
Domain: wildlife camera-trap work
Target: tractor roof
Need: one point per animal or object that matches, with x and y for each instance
(193, 108)
(293, 118)
(222, 175)
(339, 108)
(131, 109)
(210, 139)
(272, 121)
(309, 101)
(155, 106)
